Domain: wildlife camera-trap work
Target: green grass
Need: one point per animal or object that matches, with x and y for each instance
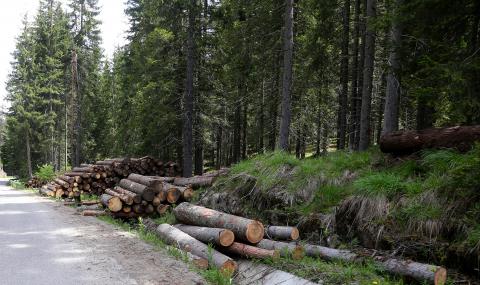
(380, 184)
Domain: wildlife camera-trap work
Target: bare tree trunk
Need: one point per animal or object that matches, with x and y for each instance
(78, 109)
(237, 126)
(343, 96)
(287, 77)
(261, 139)
(392, 98)
(244, 127)
(367, 78)
(354, 95)
(29, 153)
(361, 65)
(188, 95)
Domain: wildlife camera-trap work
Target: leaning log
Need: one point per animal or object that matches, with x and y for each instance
(125, 198)
(282, 232)
(136, 197)
(114, 204)
(251, 251)
(195, 181)
(62, 183)
(146, 192)
(176, 237)
(292, 250)
(243, 228)
(217, 236)
(155, 184)
(406, 142)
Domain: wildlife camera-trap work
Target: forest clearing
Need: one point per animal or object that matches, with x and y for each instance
(241, 142)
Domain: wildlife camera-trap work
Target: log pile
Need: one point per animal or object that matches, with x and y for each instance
(234, 236)
(34, 182)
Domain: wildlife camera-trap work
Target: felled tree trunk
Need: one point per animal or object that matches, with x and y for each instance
(125, 198)
(162, 209)
(93, 213)
(64, 184)
(221, 237)
(136, 197)
(252, 251)
(406, 142)
(155, 184)
(146, 192)
(114, 204)
(292, 250)
(282, 232)
(176, 237)
(245, 229)
(195, 181)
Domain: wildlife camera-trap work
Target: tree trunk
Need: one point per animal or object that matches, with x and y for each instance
(360, 74)
(188, 96)
(162, 209)
(125, 198)
(137, 198)
(367, 77)
(217, 236)
(172, 193)
(177, 238)
(146, 192)
(355, 94)
(94, 213)
(114, 204)
(29, 154)
(287, 77)
(343, 96)
(406, 142)
(252, 251)
(282, 232)
(155, 184)
(392, 98)
(195, 181)
(418, 271)
(295, 251)
(245, 229)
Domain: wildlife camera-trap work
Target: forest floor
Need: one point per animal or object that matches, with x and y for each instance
(44, 242)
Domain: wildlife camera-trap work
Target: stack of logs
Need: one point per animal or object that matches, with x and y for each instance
(238, 236)
(35, 182)
(105, 174)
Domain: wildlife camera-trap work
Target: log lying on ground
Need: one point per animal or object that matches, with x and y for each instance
(145, 191)
(243, 228)
(162, 178)
(114, 204)
(221, 237)
(155, 184)
(406, 142)
(62, 183)
(172, 193)
(251, 251)
(282, 232)
(176, 237)
(125, 198)
(292, 250)
(93, 213)
(135, 197)
(195, 181)
(162, 209)
(216, 173)
(418, 271)
(46, 192)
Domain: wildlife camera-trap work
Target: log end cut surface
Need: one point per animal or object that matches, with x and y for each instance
(227, 238)
(440, 276)
(229, 267)
(255, 232)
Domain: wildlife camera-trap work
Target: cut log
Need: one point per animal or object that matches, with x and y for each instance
(282, 232)
(136, 197)
(138, 208)
(127, 209)
(155, 184)
(162, 209)
(90, 202)
(195, 181)
(406, 142)
(176, 237)
(67, 178)
(83, 169)
(62, 183)
(114, 204)
(156, 201)
(243, 228)
(163, 179)
(329, 253)
(217, 236)
(123, 215)
(251, 251)
(79, 174)
(149, 209)
(419, 271)
(145, 191)
(172, 193)
(59, 193)
(125, 198)
(216, 173)
(45, 191)
(292, 250)
(93, 213)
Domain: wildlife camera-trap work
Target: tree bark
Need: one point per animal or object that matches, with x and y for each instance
(146, 192)
(251, 251)
(406, 142)
(125, 198)
(195, 181)
(137, 198)
(343, 96)
(282, 232)
(245, 229)
(354, 98)
(155, 184)
(177, 238)
(292, 250)
(188, 95)
(217, 236)
(392, 98)
(114, 204)
(29, 154)
(367, 77)
(287, 77)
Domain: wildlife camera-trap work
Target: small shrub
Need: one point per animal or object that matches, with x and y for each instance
(45, 173)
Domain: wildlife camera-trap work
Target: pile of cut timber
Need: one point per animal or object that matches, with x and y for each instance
(238, 236)
(34, 182)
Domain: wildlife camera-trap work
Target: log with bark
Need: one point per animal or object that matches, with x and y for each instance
(93, 213)
(295, 251)
(114, 204)
(146, 192)
(155, 184)
(127, 199)
(245, 229)
(217, 236)
(282, 232)
(195, 181)
(162, 209)
(406, 142)
(177, 238)
(251, 251)
(135, 197)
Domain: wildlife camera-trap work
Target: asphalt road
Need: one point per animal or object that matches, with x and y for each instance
(42, 242)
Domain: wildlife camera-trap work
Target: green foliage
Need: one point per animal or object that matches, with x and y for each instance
(473, 238)
(45, 173)
(377, 184)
